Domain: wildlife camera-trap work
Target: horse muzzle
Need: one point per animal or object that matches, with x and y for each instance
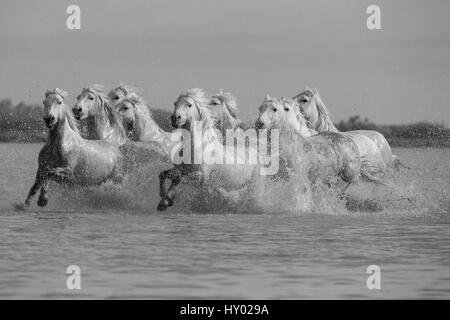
(77, 113)
(259, 124)
(49, 122)
(175, 121)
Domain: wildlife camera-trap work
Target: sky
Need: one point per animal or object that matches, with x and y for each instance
(399, 74)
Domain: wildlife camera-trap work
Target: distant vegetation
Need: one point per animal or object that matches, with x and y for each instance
(23, 123)
(420, 134)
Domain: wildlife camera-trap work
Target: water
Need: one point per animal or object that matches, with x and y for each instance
(125, 249)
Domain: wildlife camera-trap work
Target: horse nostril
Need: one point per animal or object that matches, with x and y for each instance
(178, 117)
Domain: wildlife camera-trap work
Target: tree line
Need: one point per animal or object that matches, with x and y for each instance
(23, 123)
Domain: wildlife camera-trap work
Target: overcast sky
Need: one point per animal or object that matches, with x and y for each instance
(252, 48)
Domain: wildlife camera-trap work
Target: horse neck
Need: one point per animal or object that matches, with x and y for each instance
(105, 131)
(148, 129)
(92, 129)
(321, 121)
(198, 133)
(228, 121)
(63, 135)
(304, 131)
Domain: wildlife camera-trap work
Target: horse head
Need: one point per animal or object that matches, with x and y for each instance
(121, 92)
(54, 107)
(192, 105)
(89, 102)
(307, 102)
(282, 113)
(313, 108)
(224, 107)
(270, 113)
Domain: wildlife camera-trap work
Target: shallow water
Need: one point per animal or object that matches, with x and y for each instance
(125, 249)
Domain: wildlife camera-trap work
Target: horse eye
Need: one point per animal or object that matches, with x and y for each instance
(59, 102)
(189, 105)
(274, 109)
(286, 109)
(116, 97)
(91, 98)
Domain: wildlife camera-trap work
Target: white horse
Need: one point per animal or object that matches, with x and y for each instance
(67, 157)
(375, 151)
(139, 123)
(190, 110)
(325, 157)
(104, 123)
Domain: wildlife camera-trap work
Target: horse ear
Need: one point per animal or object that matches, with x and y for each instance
(47, 92)
(267, 98)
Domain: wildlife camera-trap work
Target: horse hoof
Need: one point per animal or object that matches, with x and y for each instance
(42, 202)
(163, 205)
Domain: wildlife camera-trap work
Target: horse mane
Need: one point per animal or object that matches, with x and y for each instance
(230, 102)
(127, 89)
(141, 109)
(324, 123)
(107, 109)
(202, 103)
(70, 120)
(57, 91)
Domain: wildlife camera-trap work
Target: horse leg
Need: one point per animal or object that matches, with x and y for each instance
(167, 195)
(43, 197)
(40, 180)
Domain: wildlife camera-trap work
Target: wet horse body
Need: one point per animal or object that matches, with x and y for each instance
(376, 154)
(193, 106)
(325, 157)
(67, 157)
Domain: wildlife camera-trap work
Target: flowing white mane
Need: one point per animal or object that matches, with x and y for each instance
(323, 122)
(126, 89)
(106, 109)
(202, 103)
(227, 118)
(143, 114)
(229, 101)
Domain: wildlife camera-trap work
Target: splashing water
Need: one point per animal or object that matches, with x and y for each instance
(281, 241)
(412, 190)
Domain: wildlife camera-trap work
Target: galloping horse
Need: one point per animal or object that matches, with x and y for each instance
(325, 156)
(104, 123)
(375, 151)
(192, 113)
(67, 157)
